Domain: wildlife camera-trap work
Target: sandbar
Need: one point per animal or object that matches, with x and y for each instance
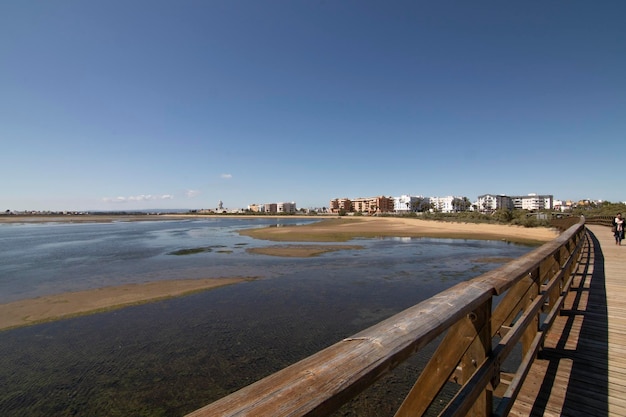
(342, 229)
(59, 306)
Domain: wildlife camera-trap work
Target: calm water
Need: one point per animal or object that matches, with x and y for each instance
(171, 357)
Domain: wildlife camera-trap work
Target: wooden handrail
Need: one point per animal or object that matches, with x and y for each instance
(528, 286)
(600, 220)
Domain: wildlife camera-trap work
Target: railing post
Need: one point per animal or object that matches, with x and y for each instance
(476, 355)
(555, 292)
(532, 329)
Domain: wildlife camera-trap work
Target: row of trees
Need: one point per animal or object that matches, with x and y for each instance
(523, 217)
(605, 208)
(500, 216)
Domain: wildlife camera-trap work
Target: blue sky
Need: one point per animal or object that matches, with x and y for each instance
(120, 105)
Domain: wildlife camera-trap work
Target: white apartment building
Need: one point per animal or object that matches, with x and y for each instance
(443, 204)
(289, 208)
(534, 202)
(273, 208)
(405, 203)
(488, 203)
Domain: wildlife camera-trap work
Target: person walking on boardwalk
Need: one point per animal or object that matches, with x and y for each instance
(618, 228)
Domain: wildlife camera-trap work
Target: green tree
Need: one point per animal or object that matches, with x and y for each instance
(417, 204)
(503, 215)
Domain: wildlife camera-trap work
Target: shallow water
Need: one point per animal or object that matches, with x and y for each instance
(41, 259)
(171, 357)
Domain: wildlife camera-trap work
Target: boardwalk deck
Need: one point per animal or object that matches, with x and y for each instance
(582, 369)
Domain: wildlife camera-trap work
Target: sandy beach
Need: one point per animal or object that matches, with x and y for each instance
(336, 229)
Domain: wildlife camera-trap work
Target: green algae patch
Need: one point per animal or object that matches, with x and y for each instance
(301, 251)
(193, 251)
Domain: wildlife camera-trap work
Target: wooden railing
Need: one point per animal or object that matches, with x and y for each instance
(481, 321)
(601, 220)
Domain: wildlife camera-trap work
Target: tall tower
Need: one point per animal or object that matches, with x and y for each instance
(220, 205)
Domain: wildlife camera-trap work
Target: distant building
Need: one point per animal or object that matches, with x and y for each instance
(406, 203)
(340, 204)
(448, 204)
(289, 208)
(562, 206)
(271, 208)
(373, 205)
(488, 203)
(257, 208)
(533, 202)
(369, 205)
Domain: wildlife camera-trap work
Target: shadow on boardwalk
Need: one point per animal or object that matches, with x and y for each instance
(571, 374)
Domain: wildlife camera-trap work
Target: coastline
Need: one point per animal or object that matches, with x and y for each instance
(86, 218)
(336, 229)
(108, 218)
(330, 228)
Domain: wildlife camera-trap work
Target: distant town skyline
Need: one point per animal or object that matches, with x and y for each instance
(118, 106)
(256, 207)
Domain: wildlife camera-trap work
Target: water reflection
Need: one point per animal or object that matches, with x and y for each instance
(170, 357)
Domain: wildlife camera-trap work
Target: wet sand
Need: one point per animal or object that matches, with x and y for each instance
(71, 304)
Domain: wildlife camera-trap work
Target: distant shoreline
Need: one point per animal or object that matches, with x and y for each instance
(328, 228)
(108, 218)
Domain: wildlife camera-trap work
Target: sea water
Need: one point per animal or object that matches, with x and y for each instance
(171, 357)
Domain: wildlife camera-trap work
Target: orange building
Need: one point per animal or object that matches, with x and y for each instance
(373, 205)
(339, 204)
(369, 205)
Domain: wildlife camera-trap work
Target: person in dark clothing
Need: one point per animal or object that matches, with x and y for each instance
(618, 228)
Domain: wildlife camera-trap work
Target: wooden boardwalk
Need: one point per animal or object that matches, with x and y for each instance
(582, 369)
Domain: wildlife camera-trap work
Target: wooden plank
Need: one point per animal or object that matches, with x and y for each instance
(592, 341)
(438, 369)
